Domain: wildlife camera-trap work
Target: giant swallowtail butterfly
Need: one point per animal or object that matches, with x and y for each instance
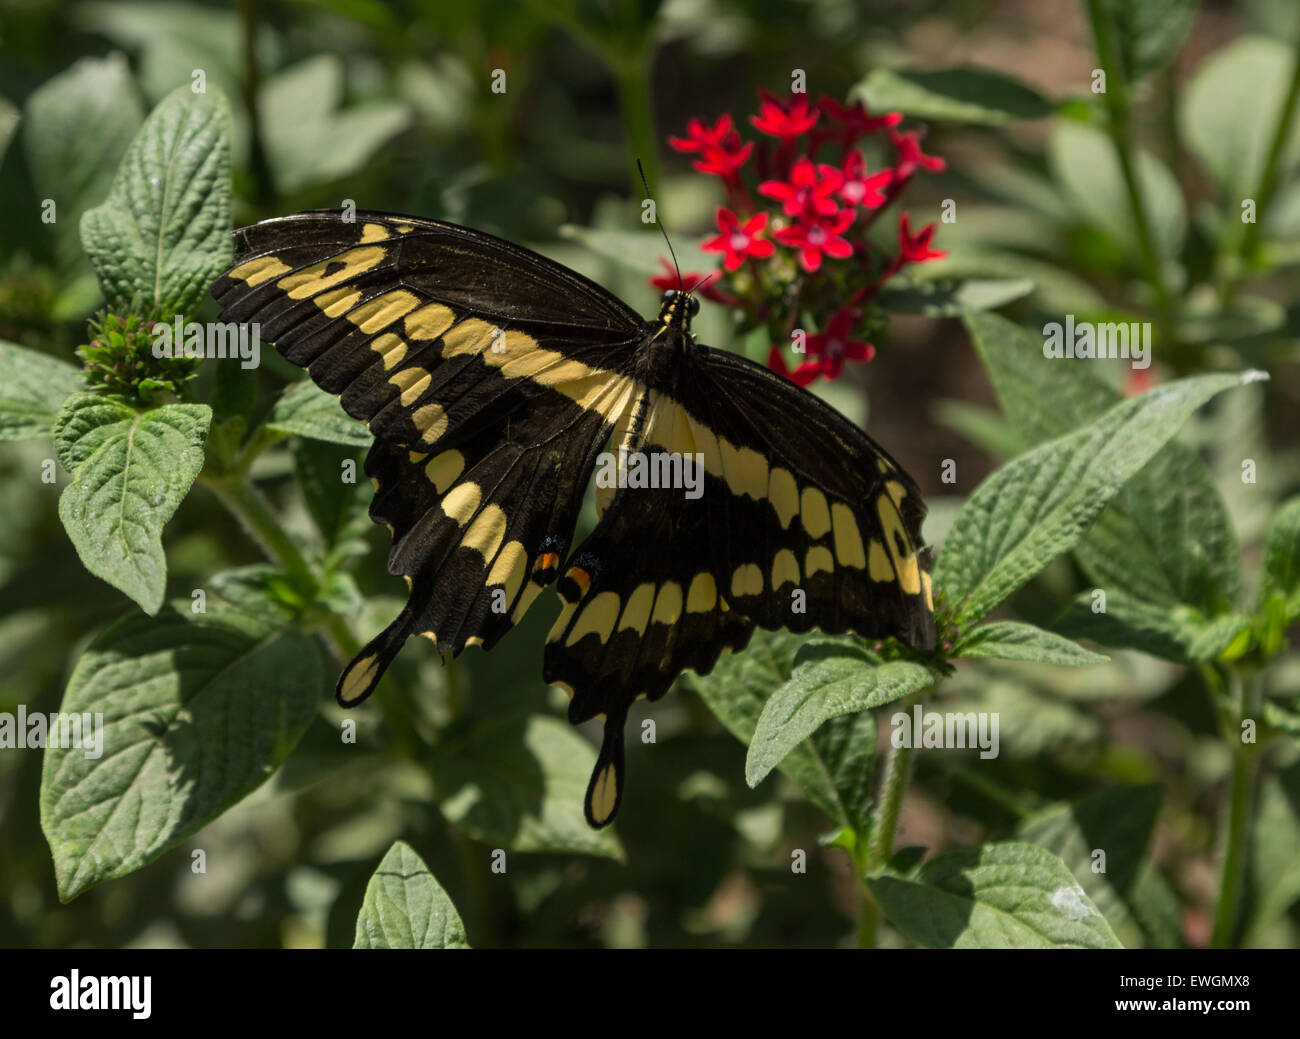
(493, 380)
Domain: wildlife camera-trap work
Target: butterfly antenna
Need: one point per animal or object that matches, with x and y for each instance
(662, 230)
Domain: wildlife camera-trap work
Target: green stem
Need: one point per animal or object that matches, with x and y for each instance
(633, 76)
(247, 505)
(1236, 829)
(880, 845)
(1120, 129)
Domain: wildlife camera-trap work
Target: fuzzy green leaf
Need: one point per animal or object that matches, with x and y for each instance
(1040, 504)
(32, 391)
(1013, 640)
(519, 784)
(163, 234)
(306, 410)
(828, 680)
(1280, 571)
(198, 711)
(130, 470)
(406, 908)
(1178, 633)
(1009, 895)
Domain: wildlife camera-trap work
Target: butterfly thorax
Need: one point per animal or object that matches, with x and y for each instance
(667, 342)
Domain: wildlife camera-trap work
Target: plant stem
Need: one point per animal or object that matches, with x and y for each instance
(1120, 129)
(1236, 829)
(884, 823)
(246, 503)
(250, 85)
(633, 75)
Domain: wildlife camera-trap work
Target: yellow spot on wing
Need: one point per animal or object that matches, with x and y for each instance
(390, 348)
(745, 470)
(596, 618)
(926, 591)
(471, 336)
(431, 421)
(445, 469)
(360, 674)
(747, 580)
(703, 594)
(819, 558)
(264, 268)
(636, 614)
(783, 493)
(486, 532)
(338, 301)
(412, 382)
(604, 793)
(848, 541)
(510, 567)
(461, 502)
(896, 491)
(668, 606)
(785, 569)
(374, 233)
(429, 322)
(909, 573)
(346, 265)
(382, 311)
(531, 591)
(814, 512)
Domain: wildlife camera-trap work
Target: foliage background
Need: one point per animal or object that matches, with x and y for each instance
(387, 104)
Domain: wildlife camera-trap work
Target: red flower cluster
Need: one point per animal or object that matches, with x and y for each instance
(819, 212)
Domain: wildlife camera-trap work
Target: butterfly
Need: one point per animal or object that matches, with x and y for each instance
(498, 385)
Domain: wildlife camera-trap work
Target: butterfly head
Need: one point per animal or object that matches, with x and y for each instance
(676, 309)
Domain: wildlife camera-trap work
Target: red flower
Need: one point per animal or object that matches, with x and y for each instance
(690, 281)
(700, 138)
(802, 375)
(822, 237)
(860, 190)
(916, 249)
(808, 191)
(718, 146)
(856, 119)
(739, 241)
(833, 347)
(786, 121)
(908, 155)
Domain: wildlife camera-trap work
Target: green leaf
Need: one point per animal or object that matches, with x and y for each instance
(1176, 633)
(406, 908)
(78, 126)
(130, 470)
(1009, 895)
(1231, 109)
(1040, 504)
(1148, 32)
(164, 232)
(1084, 161)
(847, 746)
(738, 687)
(1280, 570)
(306, 410)
(32, 391)
(198, 711)
(1117, 822)
(519, 784)
(259, 590)
(1167, 537)
(949, 298)
(337, 505)
(966, 95)
(308, 140)
(1012, 640)
(827, 680)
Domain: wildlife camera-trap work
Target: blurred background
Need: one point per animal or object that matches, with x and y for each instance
(390, 104)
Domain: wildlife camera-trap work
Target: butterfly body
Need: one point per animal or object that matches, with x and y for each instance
(498, 385)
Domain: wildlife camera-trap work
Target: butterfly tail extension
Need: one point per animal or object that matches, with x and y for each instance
(363, 672)
(605, 790)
